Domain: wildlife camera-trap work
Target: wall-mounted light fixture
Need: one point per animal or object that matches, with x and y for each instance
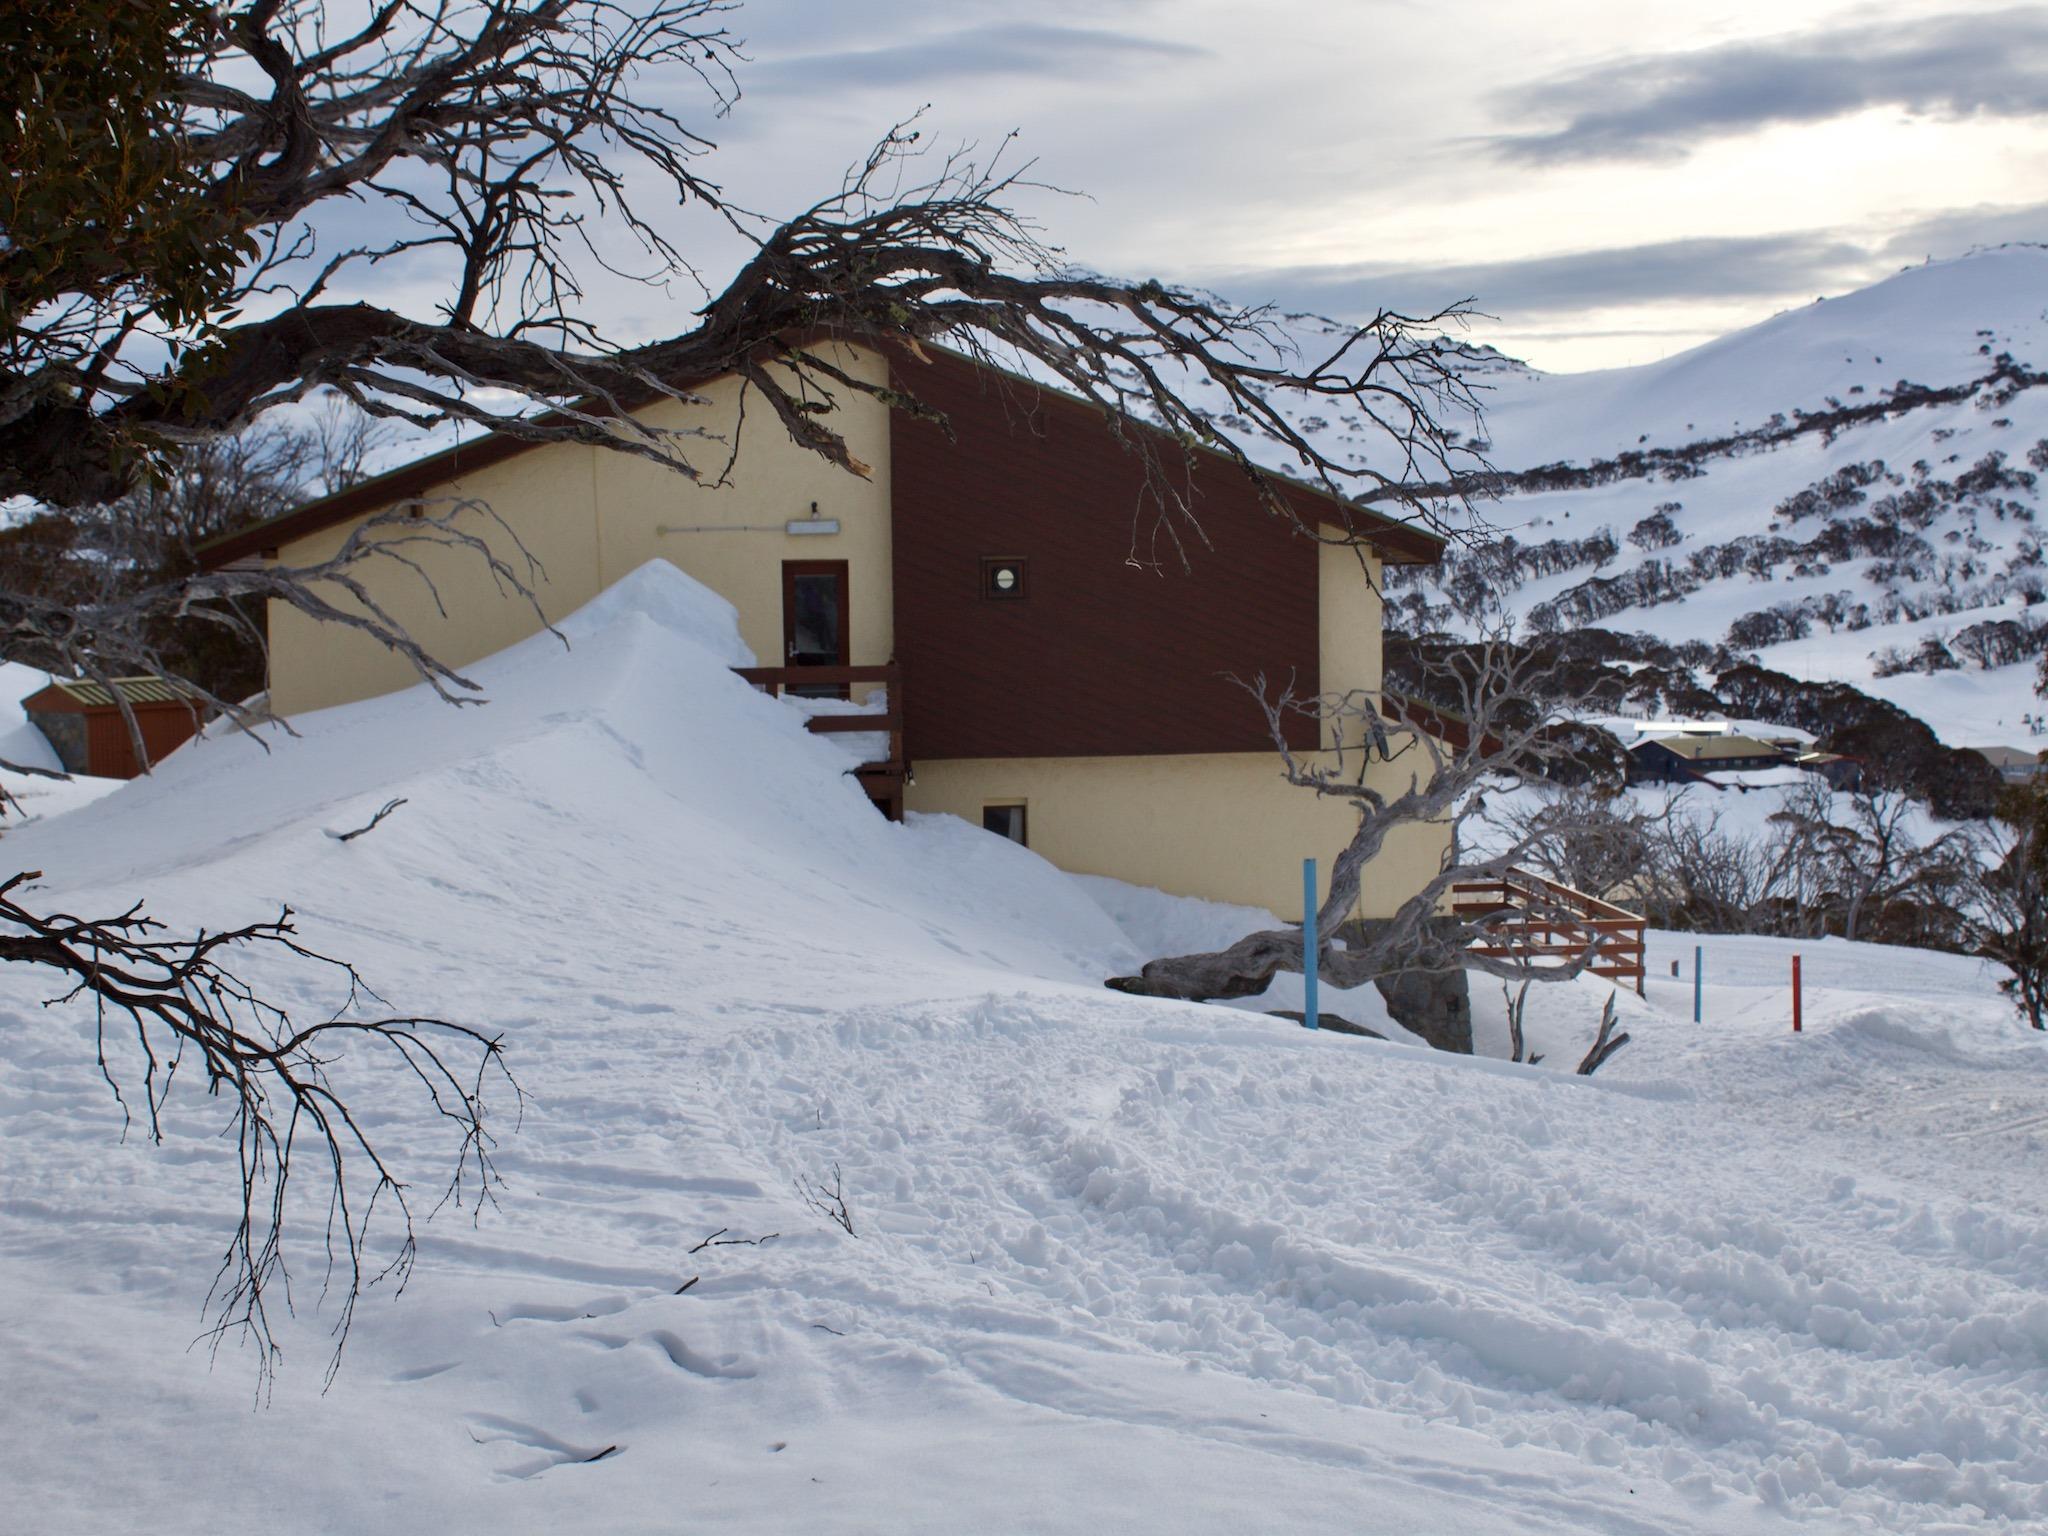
(813, 524)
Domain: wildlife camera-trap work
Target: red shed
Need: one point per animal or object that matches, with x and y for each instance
(84, 724)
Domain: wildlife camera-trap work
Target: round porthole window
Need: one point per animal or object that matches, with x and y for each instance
(1002, 576)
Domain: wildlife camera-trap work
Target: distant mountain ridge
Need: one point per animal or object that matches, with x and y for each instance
(1845, 492)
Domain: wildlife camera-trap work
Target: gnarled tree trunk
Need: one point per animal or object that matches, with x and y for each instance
(1492, 708)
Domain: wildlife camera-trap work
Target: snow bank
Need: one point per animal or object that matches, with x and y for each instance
(1160, 924)
(1115, 1263)
(661, 596)
(21, 742)
(629, 738)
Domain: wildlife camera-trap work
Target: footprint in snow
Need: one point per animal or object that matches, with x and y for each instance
(423, 1372)
(490, 1429)
(682, 1355)
(548, 1312)
(729, 1367)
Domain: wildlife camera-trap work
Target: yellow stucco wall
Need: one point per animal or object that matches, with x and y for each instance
(651, 513)
(1223, 826)
(591, 515)
(544, 496)
(1349, 618)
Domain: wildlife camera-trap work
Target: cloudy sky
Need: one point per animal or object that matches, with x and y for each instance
(1613, 181)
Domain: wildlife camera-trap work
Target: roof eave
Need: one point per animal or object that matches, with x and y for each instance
(1396, 542)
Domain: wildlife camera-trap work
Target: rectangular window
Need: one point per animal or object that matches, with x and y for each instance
(815, 631)
(1005, 821)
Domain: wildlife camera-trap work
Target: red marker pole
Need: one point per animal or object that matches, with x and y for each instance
(1795, 994)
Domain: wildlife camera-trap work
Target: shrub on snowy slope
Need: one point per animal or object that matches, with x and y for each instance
(2010, 909)
(1878, 505)
(1594, 670)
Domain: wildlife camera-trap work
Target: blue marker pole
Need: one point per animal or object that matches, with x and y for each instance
(1697, 952)
(1308, 944)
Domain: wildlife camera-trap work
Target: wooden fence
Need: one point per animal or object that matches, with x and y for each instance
(883, 779)
(1540, 919)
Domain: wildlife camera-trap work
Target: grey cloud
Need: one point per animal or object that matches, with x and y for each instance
(1710, 268)
(1952, 232)
(1780, 267)
(1992, 63)
(1018, 48)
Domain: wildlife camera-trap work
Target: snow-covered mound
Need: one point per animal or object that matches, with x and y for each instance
(1115, 1263)
(21, 742)
(627, 742)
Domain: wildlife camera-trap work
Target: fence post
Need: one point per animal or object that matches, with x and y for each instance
(1308, 944)
(1698, 955)
(1795, 994)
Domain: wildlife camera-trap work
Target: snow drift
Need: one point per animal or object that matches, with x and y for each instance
(1114, 1263)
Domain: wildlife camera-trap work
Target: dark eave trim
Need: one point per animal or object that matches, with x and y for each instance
(1397, 543)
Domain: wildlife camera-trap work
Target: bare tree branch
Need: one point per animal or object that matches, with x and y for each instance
(369, 826)
(34, 772)
(1402, 762)
(1605, 1044)
(164, 1001)
(504, 138)
(828, 1200)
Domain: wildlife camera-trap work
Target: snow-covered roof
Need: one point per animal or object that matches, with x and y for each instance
(68, 693)
(1710, 749)
(2010, 757)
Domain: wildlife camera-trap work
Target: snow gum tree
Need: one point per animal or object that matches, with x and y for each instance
(210, 211)
(2011, 899)
(1482, 724)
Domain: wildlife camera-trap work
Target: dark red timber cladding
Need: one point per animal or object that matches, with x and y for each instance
(110, 750)
(1098, 658)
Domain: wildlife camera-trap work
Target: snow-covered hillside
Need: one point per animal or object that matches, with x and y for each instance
(1849, 491)
(1117, 1264)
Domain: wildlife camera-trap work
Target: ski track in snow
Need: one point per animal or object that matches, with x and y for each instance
(1448, 1263)
(1116, 1263)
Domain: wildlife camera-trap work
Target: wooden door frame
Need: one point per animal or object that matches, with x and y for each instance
(791, 569)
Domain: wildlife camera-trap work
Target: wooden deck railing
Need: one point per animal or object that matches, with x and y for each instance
(883, 780)
(1543, 919)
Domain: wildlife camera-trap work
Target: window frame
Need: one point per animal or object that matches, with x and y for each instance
(1023, 810)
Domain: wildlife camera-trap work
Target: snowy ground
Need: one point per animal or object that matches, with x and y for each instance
(21, 742)
(1119, 1265)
